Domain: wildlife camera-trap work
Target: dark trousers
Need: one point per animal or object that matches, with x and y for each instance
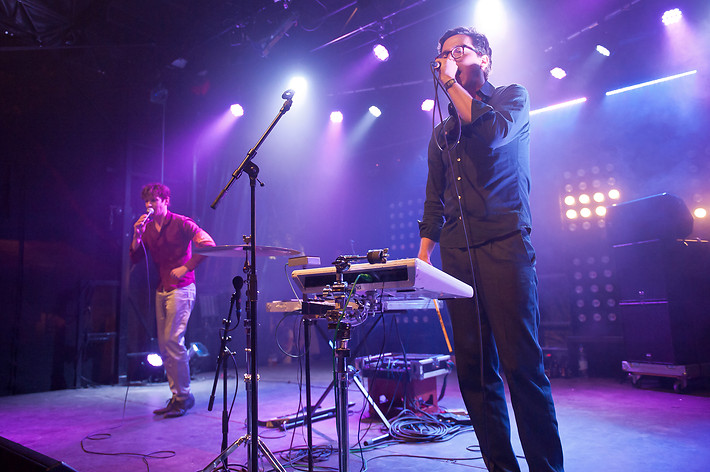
(506, 290)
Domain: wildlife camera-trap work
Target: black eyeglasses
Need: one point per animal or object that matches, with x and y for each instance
(456, 52)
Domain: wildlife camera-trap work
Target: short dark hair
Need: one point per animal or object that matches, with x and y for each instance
(478, 40)
(155, 190)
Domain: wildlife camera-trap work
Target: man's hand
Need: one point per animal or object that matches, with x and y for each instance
(178, 273)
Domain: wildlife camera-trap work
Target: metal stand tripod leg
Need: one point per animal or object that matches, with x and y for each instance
(340, 379)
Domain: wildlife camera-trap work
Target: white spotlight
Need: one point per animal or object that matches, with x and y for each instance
(381, 52)
(490, 18)
(374, 111)
(428, 104)
(336, 117)
(603, 51)
(299, 85)
(237, 110)
(558, 73)
(614, 194)
(672, 16)
(155, 360)
(700, 212)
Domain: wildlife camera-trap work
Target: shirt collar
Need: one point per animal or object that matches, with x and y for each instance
(487, 91)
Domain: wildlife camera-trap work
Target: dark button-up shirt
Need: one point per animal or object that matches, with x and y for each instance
(171, 247)
(488, 172)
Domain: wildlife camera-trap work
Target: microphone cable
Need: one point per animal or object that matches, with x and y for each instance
(446, 148)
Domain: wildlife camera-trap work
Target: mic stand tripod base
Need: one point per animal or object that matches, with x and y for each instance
(260, 444)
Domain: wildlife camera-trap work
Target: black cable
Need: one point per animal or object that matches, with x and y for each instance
(437, 86)
(103, 436)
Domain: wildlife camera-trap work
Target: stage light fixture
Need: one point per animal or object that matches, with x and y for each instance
(558, 73)
(380, 51)
(584, 199)
(651, 82)
(585, 212)
(571, 214)
(237, 110)
(374, 111)
(700, 212)
(299, 85)
(428, 104)
(154, 359)
(598, 196)
(671, 17)
(614, 194)
(600, 210)
(558, 106)
(569, 200)
(603, 51)
(197, 349)
(336, 117)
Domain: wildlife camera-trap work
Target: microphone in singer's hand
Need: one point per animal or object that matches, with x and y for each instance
(435, 65)
(148, 212)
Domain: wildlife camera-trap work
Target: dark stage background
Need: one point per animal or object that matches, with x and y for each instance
(94, 105)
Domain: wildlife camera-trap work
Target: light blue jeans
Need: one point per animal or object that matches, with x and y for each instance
(172, 310)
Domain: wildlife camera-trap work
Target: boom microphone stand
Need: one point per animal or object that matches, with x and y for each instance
(251, 378)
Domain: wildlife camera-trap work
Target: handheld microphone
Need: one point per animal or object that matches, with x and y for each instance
(148, 212)
(435, 65)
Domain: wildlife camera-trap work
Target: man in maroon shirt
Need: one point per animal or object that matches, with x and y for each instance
(168, 236)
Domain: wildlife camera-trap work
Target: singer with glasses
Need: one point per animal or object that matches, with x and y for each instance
(477, 209)
(169, 237)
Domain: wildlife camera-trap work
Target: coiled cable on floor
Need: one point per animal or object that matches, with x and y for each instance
(409, 426)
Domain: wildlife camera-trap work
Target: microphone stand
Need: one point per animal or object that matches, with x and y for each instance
(224, 351)
(251, 378)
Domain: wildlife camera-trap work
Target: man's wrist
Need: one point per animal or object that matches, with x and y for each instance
(449, 83)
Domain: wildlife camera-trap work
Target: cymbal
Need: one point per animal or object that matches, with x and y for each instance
(242, 249)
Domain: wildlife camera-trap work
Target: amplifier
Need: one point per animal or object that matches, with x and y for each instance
(395, 383)
(393, 366)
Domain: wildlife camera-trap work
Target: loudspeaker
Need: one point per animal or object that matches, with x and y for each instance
(18, 458)
(664, 302)
(663, 216)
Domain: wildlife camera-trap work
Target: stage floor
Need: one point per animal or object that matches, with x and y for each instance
(606, 425)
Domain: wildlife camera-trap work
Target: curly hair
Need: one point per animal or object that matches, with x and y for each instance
(155, 190)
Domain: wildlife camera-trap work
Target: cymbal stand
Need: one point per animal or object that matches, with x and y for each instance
(251, 377)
